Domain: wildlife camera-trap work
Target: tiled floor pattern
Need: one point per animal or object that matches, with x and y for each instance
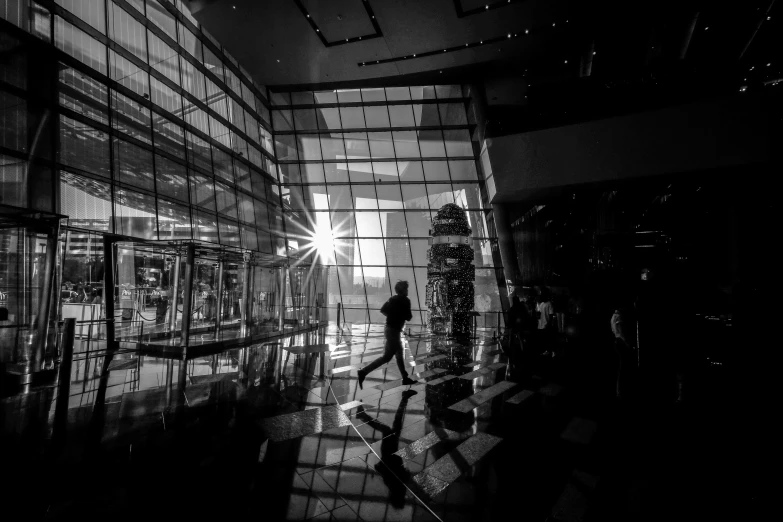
(450, 447)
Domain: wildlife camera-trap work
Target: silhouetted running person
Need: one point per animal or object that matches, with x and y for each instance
(391, 466)
(397, 310)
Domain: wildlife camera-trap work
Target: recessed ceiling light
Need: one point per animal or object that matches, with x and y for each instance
(308, 16)
(486, 7)
(317, 30)
(278, 61)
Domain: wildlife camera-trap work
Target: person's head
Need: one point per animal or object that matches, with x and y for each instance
(515, 300)
(401, 288)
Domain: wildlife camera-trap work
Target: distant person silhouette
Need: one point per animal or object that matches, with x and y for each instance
(397, 310)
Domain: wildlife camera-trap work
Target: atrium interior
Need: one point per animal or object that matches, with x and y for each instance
(207, 207)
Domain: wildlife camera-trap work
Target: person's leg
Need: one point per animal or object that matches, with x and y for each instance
(388, 353)
(401, 360)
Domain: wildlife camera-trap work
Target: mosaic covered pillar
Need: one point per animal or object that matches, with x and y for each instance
(451, 275)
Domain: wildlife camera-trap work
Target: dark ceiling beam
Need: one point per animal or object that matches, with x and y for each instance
(761, 21)
(489, 6)
(688, 35)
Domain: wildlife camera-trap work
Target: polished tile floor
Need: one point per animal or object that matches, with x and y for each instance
(257, 433)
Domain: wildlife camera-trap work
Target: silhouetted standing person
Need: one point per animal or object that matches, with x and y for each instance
(623, 345)
(546, 323)
(397, 310)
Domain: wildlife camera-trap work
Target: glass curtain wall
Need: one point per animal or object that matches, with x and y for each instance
(130, 119)
(362, 173)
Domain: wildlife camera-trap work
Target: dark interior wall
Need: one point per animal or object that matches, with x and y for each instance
(713, 134)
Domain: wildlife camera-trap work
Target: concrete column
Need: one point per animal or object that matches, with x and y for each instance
(508, 252)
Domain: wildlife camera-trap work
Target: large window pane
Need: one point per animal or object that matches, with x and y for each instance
(289, 173)
(189, 42)
(349, 95)
(410, 171)
(426, 115)
(467, 195)
(463, 170)
(381, 145)
(352, 117)
(163, 58)
(199, 152)
(84, 147)
(285, 146)
(127, 31)
(325, 97)
(171, 178)
(431, 144)
(133, 165)
(406, 144)
(309, 147)
(173, 221)
(86, 202)
(336, 172)
(226, 200)
(312, 173)
(402, 115)
(458, 143)
(356, 145)
(80, 45)
(361, 172)
(193, 80)
(436, 171)
(219, 132)
(452, 114)
(131, 118)
(205, 225)
(440, 194)
(332, 146)
(339, 197)
(423, 93)
(84, 95)
(398, 93)
(165, 97)
(376, 116)
(135, 214)
(13, 181)
(328, 118)
(91, 11)
(414, 196)
(213, 63)
(128, 74)
(373, 95)
(304, 119)
(282, 120)
(161, 17)
(385, 171)
(448, 91)
(242, 176)
(169, 136)
(202, 191)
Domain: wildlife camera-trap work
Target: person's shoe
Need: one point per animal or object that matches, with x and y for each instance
(546, 353)
(409, 393)
(361, 379)
(408, 381)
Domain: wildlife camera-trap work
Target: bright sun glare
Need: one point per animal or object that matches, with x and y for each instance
(322, 241)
